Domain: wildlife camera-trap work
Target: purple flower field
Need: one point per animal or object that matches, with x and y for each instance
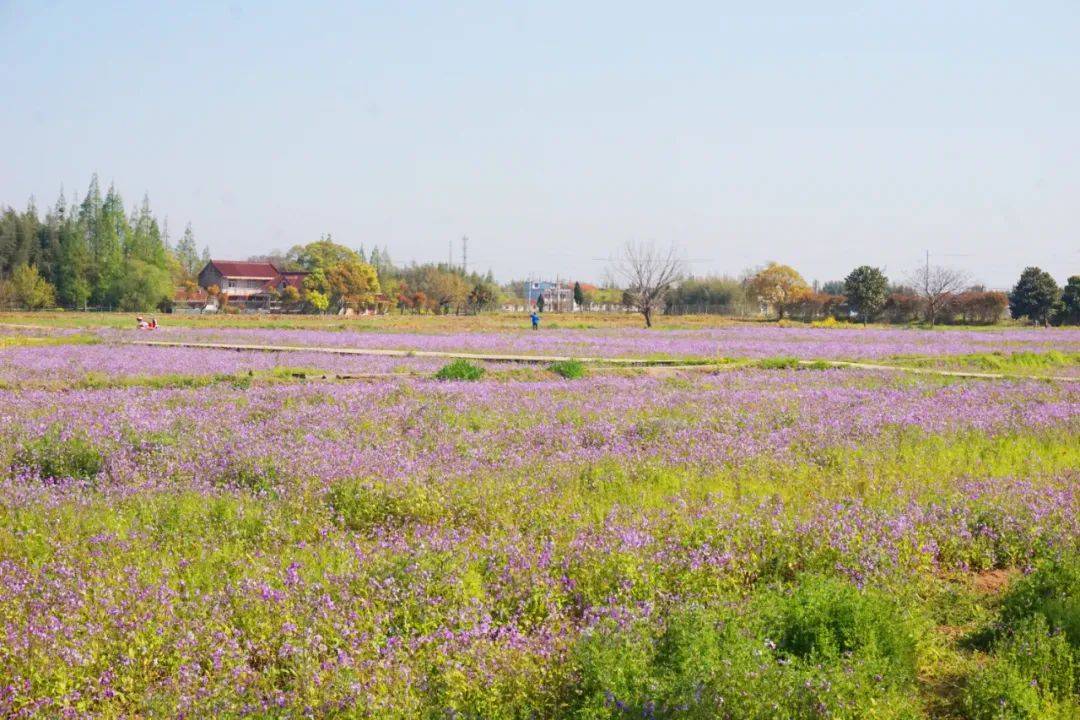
(738, 543)
(750, 340)
(70, 363)
(427, 429)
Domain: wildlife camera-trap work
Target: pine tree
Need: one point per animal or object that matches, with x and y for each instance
(187, 253)
(143, 239)
(73, 277)
(107, 249)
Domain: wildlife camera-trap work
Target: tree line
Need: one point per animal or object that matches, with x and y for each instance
(931, 295)
(94, 253)
(656, 279)
(90, 253)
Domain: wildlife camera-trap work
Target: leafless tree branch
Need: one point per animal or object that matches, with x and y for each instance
(648, 273)
(934, 284)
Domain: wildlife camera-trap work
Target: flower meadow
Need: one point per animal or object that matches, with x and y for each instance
(752, 340)
(714, 543)
(86, 364)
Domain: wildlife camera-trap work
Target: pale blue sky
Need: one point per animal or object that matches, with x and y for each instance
(552, 132)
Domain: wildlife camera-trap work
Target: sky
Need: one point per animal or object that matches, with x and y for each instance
(552, 133)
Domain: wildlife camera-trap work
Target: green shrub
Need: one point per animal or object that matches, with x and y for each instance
(1051, 592)
(569, 369)
(251, 474)
(52, 457)
(613, 669)
(362, 505)
(778, 363)
(702, 664)
(826, 618)
(1031, 675)
(460, 369)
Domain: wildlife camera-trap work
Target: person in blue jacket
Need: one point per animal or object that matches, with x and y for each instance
(535, 317)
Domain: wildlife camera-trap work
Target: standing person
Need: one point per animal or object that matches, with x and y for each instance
(535, 317)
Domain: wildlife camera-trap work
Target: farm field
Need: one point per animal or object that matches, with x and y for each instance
(733, 341)
(210, 533)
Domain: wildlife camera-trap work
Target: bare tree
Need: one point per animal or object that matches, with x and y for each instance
(934, 284)
(648, 272)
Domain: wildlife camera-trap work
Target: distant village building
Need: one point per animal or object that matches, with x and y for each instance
(190, 300)
(558, 296)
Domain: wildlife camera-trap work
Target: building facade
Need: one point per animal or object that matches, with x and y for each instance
(558, 296)
(253, 284)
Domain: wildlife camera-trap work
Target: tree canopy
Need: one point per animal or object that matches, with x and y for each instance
(352, 282)
(778, 286)
(1034, 296)
(91, 252)
(1070, 301)
(321, 254)
(866, 289)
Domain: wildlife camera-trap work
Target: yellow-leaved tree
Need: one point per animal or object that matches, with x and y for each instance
(778, 286)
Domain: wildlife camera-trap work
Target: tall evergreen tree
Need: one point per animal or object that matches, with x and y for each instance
(143, 241)
(108, 249)
(49, 244)
(187, 253)
(73, 267)
(20, 238)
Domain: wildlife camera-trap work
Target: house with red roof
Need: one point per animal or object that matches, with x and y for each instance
(250, 283)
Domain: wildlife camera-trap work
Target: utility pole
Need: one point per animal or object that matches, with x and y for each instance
(465, 254)
(449, 254)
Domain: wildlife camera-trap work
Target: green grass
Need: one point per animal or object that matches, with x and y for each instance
(13, 341)
(569, 369)
(460, 369)
(778, 363)
(1017, 363)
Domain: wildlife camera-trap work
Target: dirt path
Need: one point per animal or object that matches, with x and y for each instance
(486, 357)
(934, 371)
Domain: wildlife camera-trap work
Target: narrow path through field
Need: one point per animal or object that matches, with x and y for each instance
(665, 363)
(935, 371)
(488, 357)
